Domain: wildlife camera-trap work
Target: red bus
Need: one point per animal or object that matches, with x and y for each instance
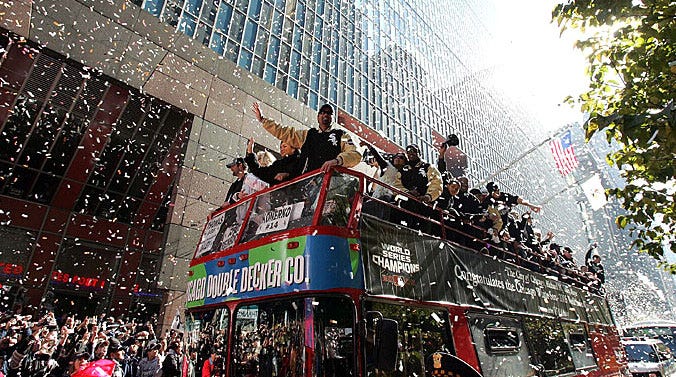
(318, 277)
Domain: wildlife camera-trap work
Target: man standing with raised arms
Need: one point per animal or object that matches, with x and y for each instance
(319, 148)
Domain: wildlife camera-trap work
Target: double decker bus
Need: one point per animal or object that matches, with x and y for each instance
(319, 276)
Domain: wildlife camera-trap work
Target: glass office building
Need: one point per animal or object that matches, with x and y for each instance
(413, 71)
(396, 66)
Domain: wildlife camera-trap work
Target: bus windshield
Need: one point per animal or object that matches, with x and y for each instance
(641, 352)
(664, 333)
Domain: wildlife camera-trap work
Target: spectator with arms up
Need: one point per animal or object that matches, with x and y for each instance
(451, 158)
(286, 168)
(321, 147)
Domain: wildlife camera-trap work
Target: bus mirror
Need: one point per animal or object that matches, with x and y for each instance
(387, 340)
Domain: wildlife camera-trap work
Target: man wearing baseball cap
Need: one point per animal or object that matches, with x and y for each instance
(321, 147)
(419, 178)
(239, 170)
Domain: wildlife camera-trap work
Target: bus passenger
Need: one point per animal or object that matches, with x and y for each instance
(451, 158)
(422, 181)
(284, 169)
(245, 184)
(389, 171)
(239, 169)
(319, 148)
(500, 203)
(418, 178)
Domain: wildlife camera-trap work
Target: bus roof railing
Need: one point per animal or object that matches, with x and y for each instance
(427, 219)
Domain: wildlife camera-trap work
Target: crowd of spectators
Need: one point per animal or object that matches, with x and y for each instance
(46, 346)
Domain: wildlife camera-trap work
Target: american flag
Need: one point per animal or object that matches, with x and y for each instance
(564, 154)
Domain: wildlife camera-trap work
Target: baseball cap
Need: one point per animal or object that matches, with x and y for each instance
(492, 187)
(238, 160)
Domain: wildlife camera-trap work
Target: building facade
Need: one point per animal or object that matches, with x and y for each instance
(118, 118)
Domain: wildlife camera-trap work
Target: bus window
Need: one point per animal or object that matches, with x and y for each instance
(499, 347)
(334, 319)
(579, 345)
(287, 207)
(221, 231)
(272, 338)
(422, 332)
(207, 331)
(339, 197)
(269, 339)
(548, 344)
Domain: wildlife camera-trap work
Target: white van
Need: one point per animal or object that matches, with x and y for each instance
(649, 358)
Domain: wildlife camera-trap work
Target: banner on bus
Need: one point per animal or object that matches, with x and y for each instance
(276, 268)
(404, 263)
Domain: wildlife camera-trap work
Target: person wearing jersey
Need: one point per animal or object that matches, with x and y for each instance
(422, 181)
(321, 147)
(419, 178)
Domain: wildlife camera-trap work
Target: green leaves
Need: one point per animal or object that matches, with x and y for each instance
(631, 99)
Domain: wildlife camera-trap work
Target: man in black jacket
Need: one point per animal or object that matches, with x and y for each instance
(321, 147)
(239, 170)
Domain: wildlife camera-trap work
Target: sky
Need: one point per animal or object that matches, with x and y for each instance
(544, 67)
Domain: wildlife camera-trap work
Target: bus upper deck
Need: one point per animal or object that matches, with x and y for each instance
(355, 285)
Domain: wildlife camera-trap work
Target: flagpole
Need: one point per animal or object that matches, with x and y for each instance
(519, 158)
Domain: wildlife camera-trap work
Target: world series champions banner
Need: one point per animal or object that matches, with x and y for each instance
(402, 262)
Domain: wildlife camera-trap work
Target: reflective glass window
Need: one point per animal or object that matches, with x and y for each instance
(548, 345)
(223, 19)
(207, 332)
(421, 332)
(153, 7)
(273, 50)
(249, 35)
(193, 6)
(187, 25)
(254, 9)
(237, 26)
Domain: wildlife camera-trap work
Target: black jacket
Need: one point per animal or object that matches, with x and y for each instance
(290, 164)
(320, 147)
(171, 367)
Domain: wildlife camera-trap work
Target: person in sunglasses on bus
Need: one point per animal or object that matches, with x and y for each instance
(321, 147)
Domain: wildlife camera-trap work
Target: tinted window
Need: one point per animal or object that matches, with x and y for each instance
(502, 340)
(422, 332)
(271, 339)
(499, 346)
(548, 344)
(208, 332)
(579, 345)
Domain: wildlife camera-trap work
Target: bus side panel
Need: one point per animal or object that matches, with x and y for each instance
(462, 337)
(608, 349)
